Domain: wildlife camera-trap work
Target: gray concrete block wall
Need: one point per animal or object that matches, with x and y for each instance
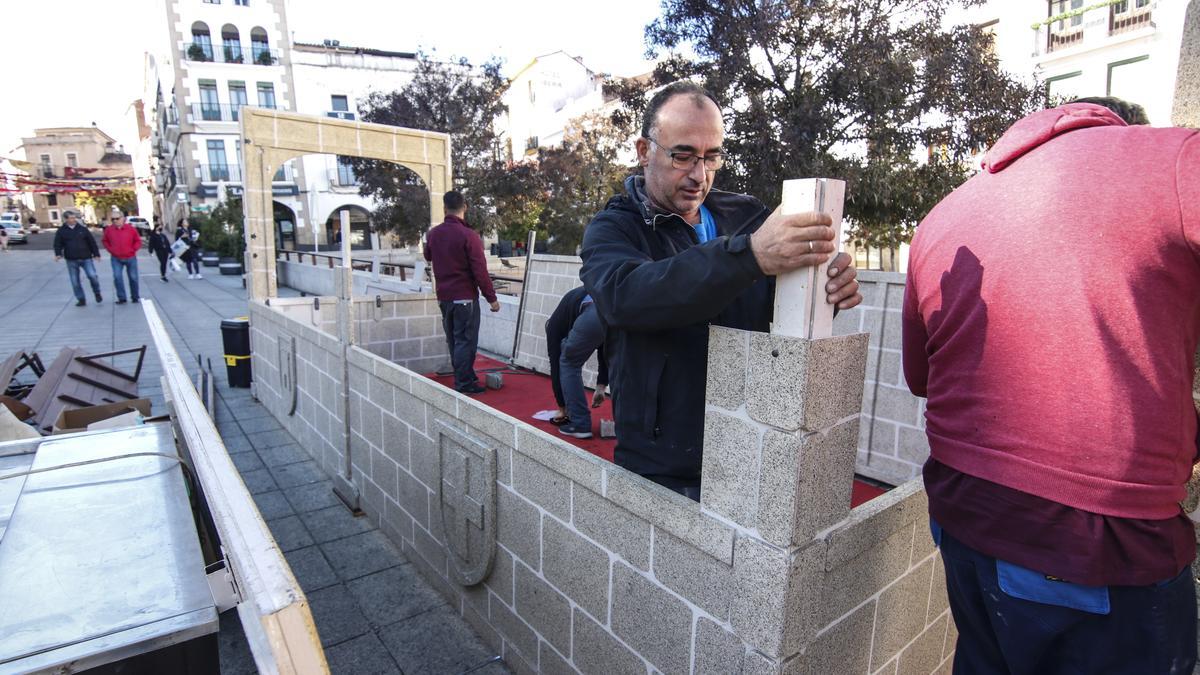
(549, 278)
(891, 446)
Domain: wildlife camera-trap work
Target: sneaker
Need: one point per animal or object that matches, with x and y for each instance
(164, 280)
(99, 299)
(199, 276)
(136, 300)
(120, 302)
(472, 389)
(574, 432)
(80, 303)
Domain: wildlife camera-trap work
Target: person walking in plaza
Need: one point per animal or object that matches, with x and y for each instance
(573, 332)
(460, 270)
(75, 243)
(191, 254)
(3, 239)
(160, 246)
(123, 243)
(1051, 321)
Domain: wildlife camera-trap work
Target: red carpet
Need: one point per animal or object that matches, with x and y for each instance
(525, 393)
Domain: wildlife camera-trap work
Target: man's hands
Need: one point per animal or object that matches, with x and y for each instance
(495, 305)
(785, 243)
(600, 394)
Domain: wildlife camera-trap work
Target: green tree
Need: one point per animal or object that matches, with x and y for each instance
(451, 97)
(102, 202)
(221, 230)
(853, 89)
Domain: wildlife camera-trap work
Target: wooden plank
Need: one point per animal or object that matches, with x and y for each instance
(284, 637)
(800, 306)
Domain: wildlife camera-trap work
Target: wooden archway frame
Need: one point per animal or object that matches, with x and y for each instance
(271, 137)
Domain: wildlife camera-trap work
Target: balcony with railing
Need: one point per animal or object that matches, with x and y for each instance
(1069, 23)
(232, 173)
(201, 52)
(218, 112)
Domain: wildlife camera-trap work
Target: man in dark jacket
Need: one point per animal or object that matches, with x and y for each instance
(671, 256)
(74, 242)
(573, 332)
(460, 271)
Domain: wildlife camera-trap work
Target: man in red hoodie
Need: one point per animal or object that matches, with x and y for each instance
(1051, 314)
(460, 270)
(123, 243)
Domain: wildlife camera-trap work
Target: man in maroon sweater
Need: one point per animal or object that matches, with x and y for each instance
(461, 275)
(1051, 313)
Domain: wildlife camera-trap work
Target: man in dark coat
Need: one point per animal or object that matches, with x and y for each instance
(573, 332)
(75, 242)
(671, 256)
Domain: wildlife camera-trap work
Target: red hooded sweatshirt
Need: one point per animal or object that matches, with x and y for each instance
(121, 242)
(1053, 309)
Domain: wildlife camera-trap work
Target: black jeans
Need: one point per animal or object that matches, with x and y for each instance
(460, 320)
(1147, 629)
(163, 256)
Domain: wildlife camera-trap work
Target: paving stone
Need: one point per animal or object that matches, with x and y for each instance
(273, 505)
(597, 652)
(259, 481)
(269, 439)
(247, 461)
(361, 554)
(290, 533)
(334, 522)
(311, 497)
(363, 655)
(259, 424)
(393, 595)
(337, 615)
(311, 569)
(436, 642)
(301, 473)
(236, 442)
(282, 455)
(652, 621)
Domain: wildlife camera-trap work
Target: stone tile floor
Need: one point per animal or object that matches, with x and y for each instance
(374, 612)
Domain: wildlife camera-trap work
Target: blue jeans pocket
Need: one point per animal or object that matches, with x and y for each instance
(1027, 584)
(935, 531)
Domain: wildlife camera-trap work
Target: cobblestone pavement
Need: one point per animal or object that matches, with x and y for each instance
(374, 613)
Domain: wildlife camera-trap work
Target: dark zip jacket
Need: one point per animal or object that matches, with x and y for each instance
(658, 289)
(75, 243)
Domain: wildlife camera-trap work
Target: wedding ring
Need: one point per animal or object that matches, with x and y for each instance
(810, 246)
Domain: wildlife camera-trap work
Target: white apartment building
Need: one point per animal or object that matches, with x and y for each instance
(542, 99)
(330, 80)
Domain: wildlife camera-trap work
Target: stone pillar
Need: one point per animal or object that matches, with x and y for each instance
(780, 439)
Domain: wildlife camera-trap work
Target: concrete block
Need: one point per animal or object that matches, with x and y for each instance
(431, 550)
(912, 445)
(488, 421)
(730, 467)
(500, 581)
(716, 649)
(577, 567)
(397, 523)
(613, 527)
(924, 655)
(793, 383)
(899, 405)
(395, 440)
(372, 424)
(413, 497)
(939, 602)
(850, 583)
(893, 328)
(514, 630)
(543, 608)
(889, 368)
(435, 395)
(951, 639)
(671, 511)
(757, 664)
(877, 520)
(542, 486)
(759, 605)
(887, 469)
(901, 614)
(424, 459)
(889, 668)
(695, 575)
(651, 620)
(411, 410)
(805, 482)
(727, 352)
(841, 648)
(519, 527)
(550, 662)
(597, 652)
(384, 473)
(561, 457)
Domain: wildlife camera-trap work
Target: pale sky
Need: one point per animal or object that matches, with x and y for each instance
(74, 62)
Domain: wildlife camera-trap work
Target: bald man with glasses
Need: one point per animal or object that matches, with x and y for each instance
(671, 256)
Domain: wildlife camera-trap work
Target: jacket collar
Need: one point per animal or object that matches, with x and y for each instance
(727, 207)
(451, 218)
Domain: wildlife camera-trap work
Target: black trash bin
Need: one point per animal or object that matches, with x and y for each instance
(235, 334)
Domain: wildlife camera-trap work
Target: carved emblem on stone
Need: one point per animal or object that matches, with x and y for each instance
(467, 494)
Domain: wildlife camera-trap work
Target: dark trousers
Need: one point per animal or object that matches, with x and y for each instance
(587, 334)
(163, 257)
(1148, 629)
(460, 320)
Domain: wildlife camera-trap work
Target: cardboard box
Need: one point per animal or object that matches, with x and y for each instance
(79, 419)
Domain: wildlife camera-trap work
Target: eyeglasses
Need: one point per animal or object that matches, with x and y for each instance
(688, 160)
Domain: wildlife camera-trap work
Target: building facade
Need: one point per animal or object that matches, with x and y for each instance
(66, 153)
(542, 99)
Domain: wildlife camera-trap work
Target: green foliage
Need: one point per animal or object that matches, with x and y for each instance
(196, 53)
(221, 229)
(853, 89)
(103, 203)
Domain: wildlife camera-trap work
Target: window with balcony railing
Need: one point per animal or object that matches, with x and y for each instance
(1067, 31)
(1128, 15)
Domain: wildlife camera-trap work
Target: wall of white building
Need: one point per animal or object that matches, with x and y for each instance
(543, 98)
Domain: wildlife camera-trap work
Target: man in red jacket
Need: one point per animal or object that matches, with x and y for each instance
(1051, 313)
(123, 243)
(460, 271)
